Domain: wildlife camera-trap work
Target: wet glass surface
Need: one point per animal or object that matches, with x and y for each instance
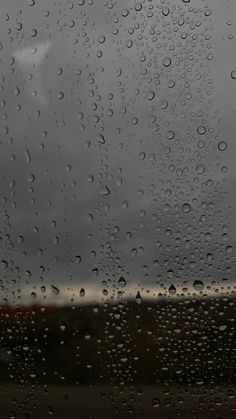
(117, 203)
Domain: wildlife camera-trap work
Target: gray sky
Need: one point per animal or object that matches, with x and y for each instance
(114, 122)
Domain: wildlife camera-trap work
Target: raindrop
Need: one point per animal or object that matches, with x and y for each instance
(223, 327)
(138, 298)
(27, 156)
(198, 285)
(31, 179)
(233, 74)
(222, 145)
(170, 135)
(78, 259)
(150, 95)
(82, 292)
(100, 139)
(138, 7)
(186, 208)
(172, 290)
(3, 264)
(155, 402)
(200, 169)
(166, 61)
(101, 39)
(105, 191)
(55, 290)
(60, 95)
(50, 410)
(165, 11)
(63, 327)
(201, 130)
(141, 156)
(122, 282)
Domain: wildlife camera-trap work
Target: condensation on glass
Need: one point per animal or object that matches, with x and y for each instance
(117, 202)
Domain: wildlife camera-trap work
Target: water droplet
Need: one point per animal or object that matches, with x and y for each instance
(101, 39)
(150, 95)
(78, 259)
(60, 95)
(3, 264)
(186, 208)
(155, 402)
(55, 290)
(172, 290)
(105, 190)
(170, 135)
(122, 282)
(233, 74)
(138, 298)
(100, 139)
(31, 179)
(200, 169)
(141, 156)
(82, 292)
(201, 130)
(63, 327)
(222, 145)
(223, 327)
(165, 11)
(198, 285)
(50, 410)
(166, 61)
(27, 156)
(138, 7)
(207, 12)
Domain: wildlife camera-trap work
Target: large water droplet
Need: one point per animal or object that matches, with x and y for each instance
(198, 285)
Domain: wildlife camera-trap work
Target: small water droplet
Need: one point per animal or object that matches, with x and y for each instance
(201, 130)
(3, 264)
(55, 290)
(186, 208)
(101, 39)
(50, 410)
(172, 290)
(155, 402)
(105, 190)
(233, 74)
(82, 292)
(60, 95)
(138, 298)
(63, 327)
(150, 95)
(166, 61)
(222, 145)
(27, 156)
(170, 134)
(122, 282)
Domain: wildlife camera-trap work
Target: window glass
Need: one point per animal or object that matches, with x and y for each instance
(117, 203)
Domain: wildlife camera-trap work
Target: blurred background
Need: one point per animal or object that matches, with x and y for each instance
(117, 286)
